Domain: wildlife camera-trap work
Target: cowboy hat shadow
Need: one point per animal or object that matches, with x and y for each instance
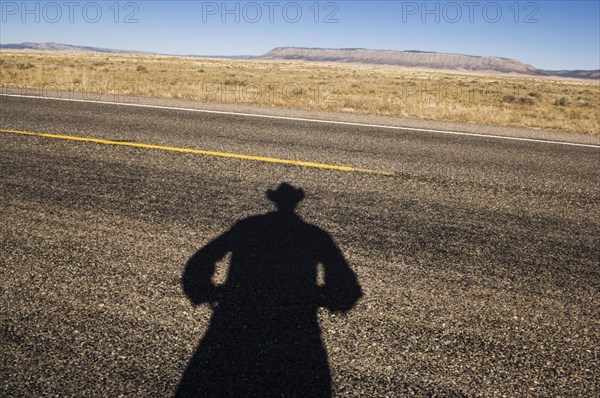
(264, 338)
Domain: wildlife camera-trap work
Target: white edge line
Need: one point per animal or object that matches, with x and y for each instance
(381, 126)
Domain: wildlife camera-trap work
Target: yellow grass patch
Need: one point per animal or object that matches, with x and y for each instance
(548, 103)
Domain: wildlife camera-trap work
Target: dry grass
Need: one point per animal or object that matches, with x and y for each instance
(556, 104)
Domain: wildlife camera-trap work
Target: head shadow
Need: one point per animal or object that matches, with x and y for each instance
(264, 339)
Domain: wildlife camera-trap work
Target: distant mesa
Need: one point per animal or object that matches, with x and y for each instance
(63, 47)
(409, 59)
(413, 59)
(420, 59)
(580, 74)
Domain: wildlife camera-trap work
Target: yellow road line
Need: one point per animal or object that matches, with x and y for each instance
(199, 151)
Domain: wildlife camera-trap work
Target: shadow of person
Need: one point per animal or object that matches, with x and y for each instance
(264, 338)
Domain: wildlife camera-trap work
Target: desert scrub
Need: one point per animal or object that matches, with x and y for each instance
(27, 65)
(506, 100)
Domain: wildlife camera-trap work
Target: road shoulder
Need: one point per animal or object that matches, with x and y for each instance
(344, 117)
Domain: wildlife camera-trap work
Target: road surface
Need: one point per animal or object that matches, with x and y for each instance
(478, 256)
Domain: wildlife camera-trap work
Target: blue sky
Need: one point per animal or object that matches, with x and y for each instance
(546, 34)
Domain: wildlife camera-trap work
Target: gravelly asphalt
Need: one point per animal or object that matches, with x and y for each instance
(478, 260)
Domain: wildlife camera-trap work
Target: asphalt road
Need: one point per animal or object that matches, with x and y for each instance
(478, 257)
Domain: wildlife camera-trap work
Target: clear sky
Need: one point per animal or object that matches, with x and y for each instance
(545, 34)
